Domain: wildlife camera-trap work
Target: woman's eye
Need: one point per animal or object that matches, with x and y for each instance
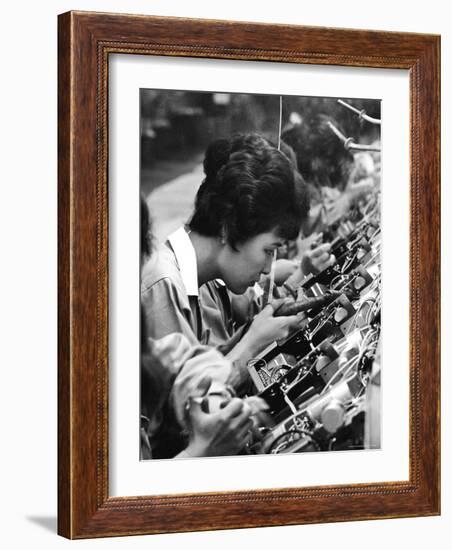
(269, 252)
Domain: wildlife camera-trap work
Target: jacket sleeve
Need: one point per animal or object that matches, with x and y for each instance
(166, 311)
(203, 361)
(185, 365)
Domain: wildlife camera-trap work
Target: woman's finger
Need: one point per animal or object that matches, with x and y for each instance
(289, 322)
(319, 250)
(332, 260)
(241, 429)
(233, 408)
(323, 258)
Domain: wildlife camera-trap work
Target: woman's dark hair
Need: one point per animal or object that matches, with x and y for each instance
(145, 229)
(249, 189)
(321, 156)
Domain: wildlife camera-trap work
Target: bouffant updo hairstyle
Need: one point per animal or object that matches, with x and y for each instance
(321, 156)
(249, 189)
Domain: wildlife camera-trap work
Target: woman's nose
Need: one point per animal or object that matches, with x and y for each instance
(267, 266)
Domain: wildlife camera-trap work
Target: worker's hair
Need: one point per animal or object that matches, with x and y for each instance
(250, 188)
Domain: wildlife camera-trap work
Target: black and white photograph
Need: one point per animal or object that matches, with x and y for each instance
(227, 242)
(260, 274)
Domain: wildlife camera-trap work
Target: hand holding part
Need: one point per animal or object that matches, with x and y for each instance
(222, 433)
(292, 308)
(267, 328)
(317, 259)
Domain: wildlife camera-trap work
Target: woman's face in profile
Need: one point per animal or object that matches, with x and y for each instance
(243, 267)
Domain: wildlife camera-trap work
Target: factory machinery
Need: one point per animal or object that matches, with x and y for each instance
(318, 381)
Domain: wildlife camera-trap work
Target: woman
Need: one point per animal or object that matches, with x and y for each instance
(289, 272)
(248, 205)
(337, 178)
(173, 370)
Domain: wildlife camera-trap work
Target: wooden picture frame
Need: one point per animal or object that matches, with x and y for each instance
(85, 42)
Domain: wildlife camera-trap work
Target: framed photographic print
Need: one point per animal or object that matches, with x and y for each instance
(248, 275)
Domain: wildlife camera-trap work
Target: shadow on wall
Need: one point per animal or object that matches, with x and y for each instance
(49, 523)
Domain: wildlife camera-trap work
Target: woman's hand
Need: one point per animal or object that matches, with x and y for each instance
(317, 259)
(360, 189)
(220, 433)
(266, 328)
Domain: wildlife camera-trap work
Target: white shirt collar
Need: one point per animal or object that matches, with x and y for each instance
(186, 259)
